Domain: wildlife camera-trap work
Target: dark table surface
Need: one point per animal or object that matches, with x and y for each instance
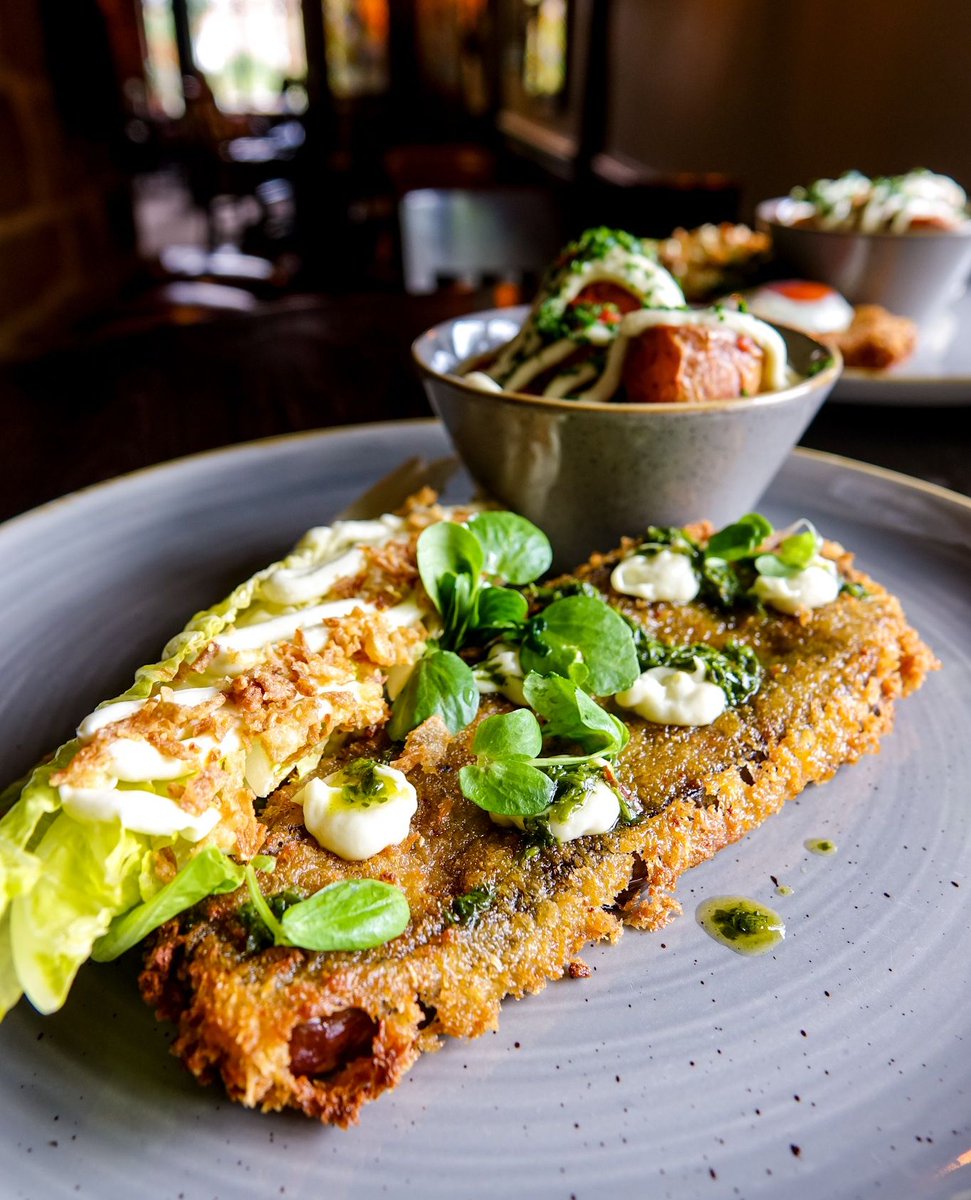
(114, 402)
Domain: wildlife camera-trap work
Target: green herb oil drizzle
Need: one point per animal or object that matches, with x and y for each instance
(742, 925)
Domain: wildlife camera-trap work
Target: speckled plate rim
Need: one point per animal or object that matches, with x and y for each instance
(568, 1088)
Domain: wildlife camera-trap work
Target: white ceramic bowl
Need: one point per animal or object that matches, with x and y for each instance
(916, 275)
(589, 473)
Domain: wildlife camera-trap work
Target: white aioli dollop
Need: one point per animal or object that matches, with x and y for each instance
(141, 812)
(666, 575)
(335, 552)
(355, 829)
(282, 629)
(501, 671)
(134, 761)
(120, 710)
(816, 585)
(669, 696)
(596, 813)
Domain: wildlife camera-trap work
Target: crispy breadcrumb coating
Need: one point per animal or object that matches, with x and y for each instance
(325, 1033)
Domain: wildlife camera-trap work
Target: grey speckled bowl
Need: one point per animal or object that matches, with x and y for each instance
(916, 275)
(589, 473)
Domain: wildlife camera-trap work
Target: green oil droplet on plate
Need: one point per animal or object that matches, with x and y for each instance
(820, 846)
(742, 925)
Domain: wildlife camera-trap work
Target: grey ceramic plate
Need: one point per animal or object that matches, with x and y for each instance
(837, 1067)
(939, 373)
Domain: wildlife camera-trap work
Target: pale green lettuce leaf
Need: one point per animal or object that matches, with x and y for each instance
(205, 626)
(10, 989)
(89, 874)
(210, 873)
(39, 799)
(24, 825)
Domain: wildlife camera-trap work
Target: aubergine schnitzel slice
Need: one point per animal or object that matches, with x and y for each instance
(495, 909)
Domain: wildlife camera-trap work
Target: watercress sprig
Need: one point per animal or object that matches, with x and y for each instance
(583, 639)
(463, 569)
(352, 914)
(441, 684)
(735, 555)
(511, 776)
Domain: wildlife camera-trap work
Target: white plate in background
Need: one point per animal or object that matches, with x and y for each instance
(938, 373)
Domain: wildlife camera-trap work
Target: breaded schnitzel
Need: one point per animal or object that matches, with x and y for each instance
(492, 915)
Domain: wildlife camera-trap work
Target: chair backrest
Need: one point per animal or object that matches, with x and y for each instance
(476, 236)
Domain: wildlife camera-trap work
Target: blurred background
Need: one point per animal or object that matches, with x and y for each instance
(223, 219)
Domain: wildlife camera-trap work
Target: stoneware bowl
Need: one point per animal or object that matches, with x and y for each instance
(589, 473)
(917, 275)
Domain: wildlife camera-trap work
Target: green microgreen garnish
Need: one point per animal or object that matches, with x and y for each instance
(441, 684)
(352, 914)
(792, 554)
(583, 639)
(728, 565)
(739, 540)
(511, 776)
(465, 569)
(515, 550)
(462, 566)
(572, 716)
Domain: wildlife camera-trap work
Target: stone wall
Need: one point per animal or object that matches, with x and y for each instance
(66, 242)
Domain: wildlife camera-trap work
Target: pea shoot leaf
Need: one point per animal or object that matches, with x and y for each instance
(500, 610)
(515, 550)
(508, 786)
(739, 540)
(509, 735)
(447, 549)
(582, 639)
(440, 683)
(573, 716)
(353, 914)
